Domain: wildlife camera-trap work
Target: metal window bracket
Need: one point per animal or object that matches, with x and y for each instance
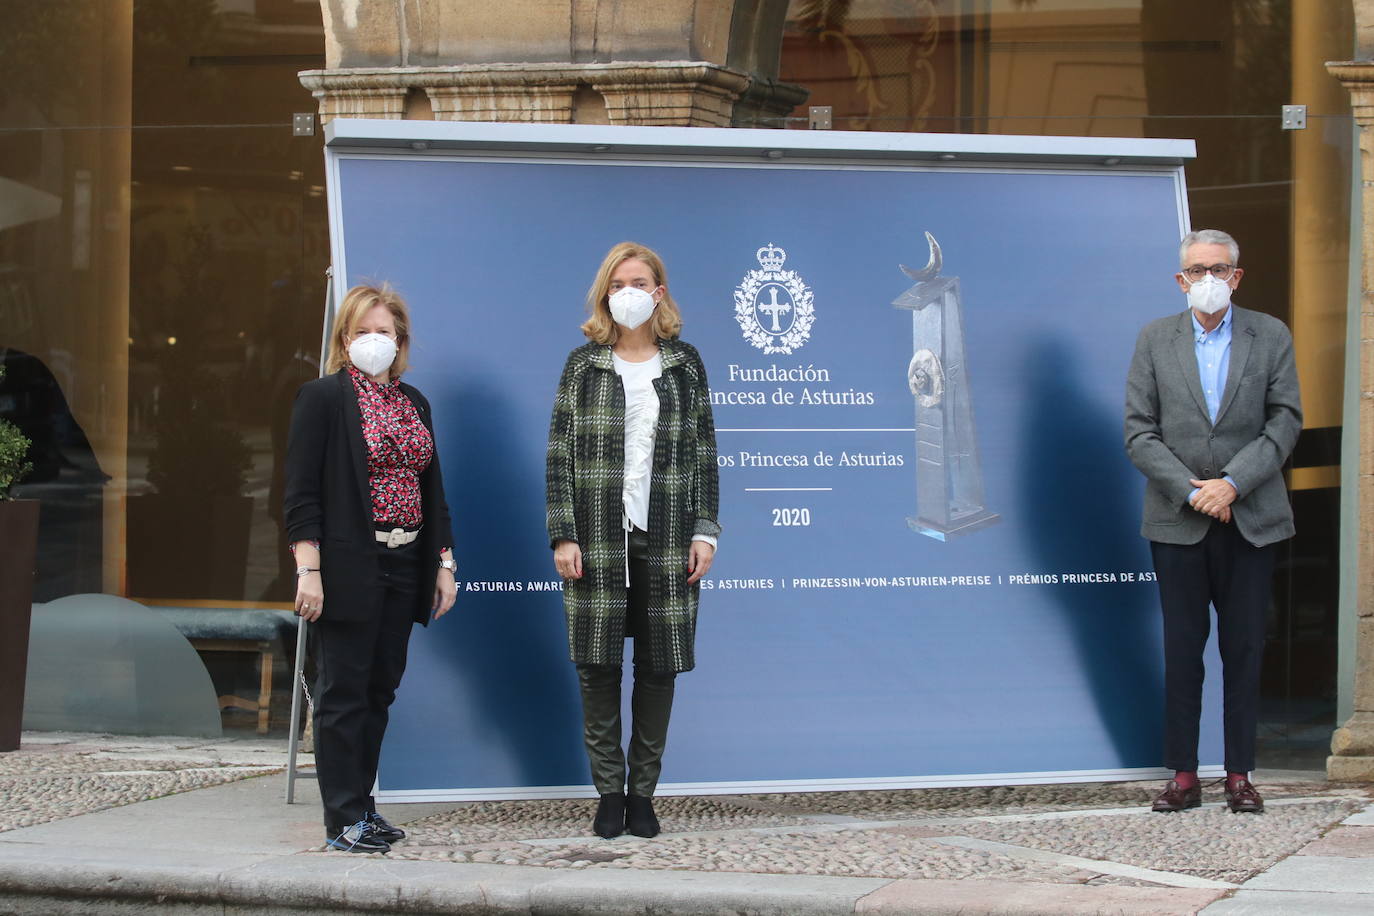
(303, 124)
(819, 117)
(1295, 117)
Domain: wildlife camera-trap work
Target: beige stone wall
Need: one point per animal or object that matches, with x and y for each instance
(707, 63)
(1352, 745)
(433, 33)
(1364, 29)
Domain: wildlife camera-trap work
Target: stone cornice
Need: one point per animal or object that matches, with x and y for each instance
(1357, 77)
(642, 73)
(687, 92)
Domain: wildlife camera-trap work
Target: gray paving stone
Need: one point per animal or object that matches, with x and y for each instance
(1318, 874)
(1363, 818)
(1291, 903)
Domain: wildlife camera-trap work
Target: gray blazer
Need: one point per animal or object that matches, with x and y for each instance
(1171, 438)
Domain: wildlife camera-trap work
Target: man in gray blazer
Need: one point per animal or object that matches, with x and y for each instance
(1212, 412)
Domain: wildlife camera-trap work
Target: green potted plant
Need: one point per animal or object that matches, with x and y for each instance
(18, 550)
(14, 450)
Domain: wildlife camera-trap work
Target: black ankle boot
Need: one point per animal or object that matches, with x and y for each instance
(639, 816)
(610, 816)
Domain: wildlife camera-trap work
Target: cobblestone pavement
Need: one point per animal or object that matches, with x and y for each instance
(1058, 834)
(55, 775)
(1083, 833)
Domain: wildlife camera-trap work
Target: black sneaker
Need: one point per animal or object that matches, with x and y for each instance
(384, 829)
(361, 837)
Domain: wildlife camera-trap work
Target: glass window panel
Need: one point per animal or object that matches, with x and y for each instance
(1216, 72)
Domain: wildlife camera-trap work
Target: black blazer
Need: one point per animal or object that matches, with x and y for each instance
(327, 498)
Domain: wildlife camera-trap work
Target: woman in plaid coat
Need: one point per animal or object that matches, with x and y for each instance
(632, 504)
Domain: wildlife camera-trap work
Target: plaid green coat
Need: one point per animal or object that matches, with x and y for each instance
(585, 479)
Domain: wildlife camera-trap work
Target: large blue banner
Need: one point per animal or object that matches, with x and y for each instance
(930, 571)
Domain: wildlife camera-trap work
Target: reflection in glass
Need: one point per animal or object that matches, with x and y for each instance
(228, 248)
(98, 663)
(66, 477)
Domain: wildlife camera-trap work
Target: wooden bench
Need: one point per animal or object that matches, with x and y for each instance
(261, 631)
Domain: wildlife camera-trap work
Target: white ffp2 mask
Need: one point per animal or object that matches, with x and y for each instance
(631, 307)
(1209, 295)
(373, 354)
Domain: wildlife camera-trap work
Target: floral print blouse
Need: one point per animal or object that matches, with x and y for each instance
(398, 449)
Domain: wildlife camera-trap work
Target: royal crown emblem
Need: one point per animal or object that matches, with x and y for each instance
(774, 307)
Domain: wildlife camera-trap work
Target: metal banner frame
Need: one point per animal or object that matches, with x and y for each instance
(431, 241)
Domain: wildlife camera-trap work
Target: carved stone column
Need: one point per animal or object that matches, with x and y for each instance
(697, 63)
(1352, 745)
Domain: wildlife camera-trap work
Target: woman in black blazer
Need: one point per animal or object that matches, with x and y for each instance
(367, 521)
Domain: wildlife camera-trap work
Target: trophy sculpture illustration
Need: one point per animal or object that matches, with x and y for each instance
(949, 476)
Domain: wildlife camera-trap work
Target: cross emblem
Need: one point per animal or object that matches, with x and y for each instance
(774, 308)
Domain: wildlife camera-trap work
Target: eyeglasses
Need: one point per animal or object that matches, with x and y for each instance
(1220, 271)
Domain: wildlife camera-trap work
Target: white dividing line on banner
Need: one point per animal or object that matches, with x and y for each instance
(788, 489)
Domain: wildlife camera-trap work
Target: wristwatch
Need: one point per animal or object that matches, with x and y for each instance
(303, 571)
(447, 564)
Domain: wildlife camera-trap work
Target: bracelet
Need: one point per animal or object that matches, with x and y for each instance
(303, 571)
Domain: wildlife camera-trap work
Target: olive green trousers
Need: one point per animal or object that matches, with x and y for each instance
(651, 706)
(651, 702)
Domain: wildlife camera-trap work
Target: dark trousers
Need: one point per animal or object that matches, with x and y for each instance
(358, 666)
(1225, 571)
(651, 703)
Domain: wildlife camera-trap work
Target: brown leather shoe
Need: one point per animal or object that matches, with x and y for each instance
(1176, 798)
(1243, 797)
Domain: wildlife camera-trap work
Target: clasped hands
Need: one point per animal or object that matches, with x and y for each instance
(1214, 498)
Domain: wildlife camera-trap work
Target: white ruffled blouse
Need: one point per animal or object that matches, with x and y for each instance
(641, 425)
(641, 422)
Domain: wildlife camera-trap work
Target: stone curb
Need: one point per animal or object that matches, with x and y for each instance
(375, 885)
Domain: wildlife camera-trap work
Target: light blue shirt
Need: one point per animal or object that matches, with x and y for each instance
(1213, 351)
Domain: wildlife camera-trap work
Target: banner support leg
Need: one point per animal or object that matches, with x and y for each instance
(297, 683)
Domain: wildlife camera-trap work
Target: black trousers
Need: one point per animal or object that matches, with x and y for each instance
(651, 702)
(358, 666)
(1226, 571)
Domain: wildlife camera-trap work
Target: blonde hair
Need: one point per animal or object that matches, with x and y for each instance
(356, 303)
(601, 328)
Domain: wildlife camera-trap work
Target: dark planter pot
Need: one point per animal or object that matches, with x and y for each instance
(18, 551)
(192, 548)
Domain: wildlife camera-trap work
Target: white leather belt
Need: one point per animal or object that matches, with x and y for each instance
(397, 537)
